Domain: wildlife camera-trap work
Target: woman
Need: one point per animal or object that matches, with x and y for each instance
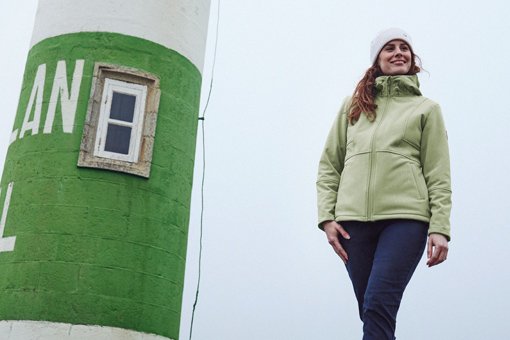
(384, 183)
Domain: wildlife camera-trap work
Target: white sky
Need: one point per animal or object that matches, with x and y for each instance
(282, 70)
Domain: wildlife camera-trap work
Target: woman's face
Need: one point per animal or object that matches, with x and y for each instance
(395, 58)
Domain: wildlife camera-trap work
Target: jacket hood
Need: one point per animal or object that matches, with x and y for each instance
(401, 85)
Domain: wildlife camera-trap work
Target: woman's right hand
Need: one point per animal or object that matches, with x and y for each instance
(332, 230)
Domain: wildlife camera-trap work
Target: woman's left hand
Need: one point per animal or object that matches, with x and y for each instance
(437, 249)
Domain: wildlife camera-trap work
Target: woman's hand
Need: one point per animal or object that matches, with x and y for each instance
(437, 249)
(333, 229)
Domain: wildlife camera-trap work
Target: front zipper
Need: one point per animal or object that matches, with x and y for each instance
(371, 173)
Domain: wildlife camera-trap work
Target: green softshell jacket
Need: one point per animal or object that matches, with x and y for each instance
(397, 166)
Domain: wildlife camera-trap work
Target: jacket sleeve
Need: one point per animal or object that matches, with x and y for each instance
(331, 165)
(435, 160)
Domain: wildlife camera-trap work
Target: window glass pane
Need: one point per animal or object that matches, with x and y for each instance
(118, 139)
(123, 107)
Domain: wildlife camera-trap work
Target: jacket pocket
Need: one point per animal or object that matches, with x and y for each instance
(416, 180)
(351, 200)
(395, 189)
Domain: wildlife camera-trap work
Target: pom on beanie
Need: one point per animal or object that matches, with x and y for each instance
(385, 36)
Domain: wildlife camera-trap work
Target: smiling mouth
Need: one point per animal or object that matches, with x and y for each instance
(398, 62)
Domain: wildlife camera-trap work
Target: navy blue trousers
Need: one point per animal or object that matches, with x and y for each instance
(382, 258)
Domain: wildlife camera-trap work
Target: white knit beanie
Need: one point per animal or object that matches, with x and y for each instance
(385, 36)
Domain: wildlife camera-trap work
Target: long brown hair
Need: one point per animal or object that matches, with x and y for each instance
(365, 92)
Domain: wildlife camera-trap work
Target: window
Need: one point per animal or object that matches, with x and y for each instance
(121, 120)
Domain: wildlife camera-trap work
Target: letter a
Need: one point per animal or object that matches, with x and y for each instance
(38, 89)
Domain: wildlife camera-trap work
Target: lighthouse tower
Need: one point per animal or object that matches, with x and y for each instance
(95, 193)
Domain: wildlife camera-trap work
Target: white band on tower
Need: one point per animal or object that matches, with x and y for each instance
(184, 22)
(43, 330)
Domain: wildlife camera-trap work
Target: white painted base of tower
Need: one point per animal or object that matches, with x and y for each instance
(43, 330)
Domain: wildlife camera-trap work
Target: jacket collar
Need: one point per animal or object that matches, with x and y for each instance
(401, 85)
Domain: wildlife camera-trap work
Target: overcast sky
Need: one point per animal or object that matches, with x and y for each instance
(282, 70)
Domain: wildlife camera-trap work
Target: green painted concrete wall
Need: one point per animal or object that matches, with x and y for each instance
(96, 246)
